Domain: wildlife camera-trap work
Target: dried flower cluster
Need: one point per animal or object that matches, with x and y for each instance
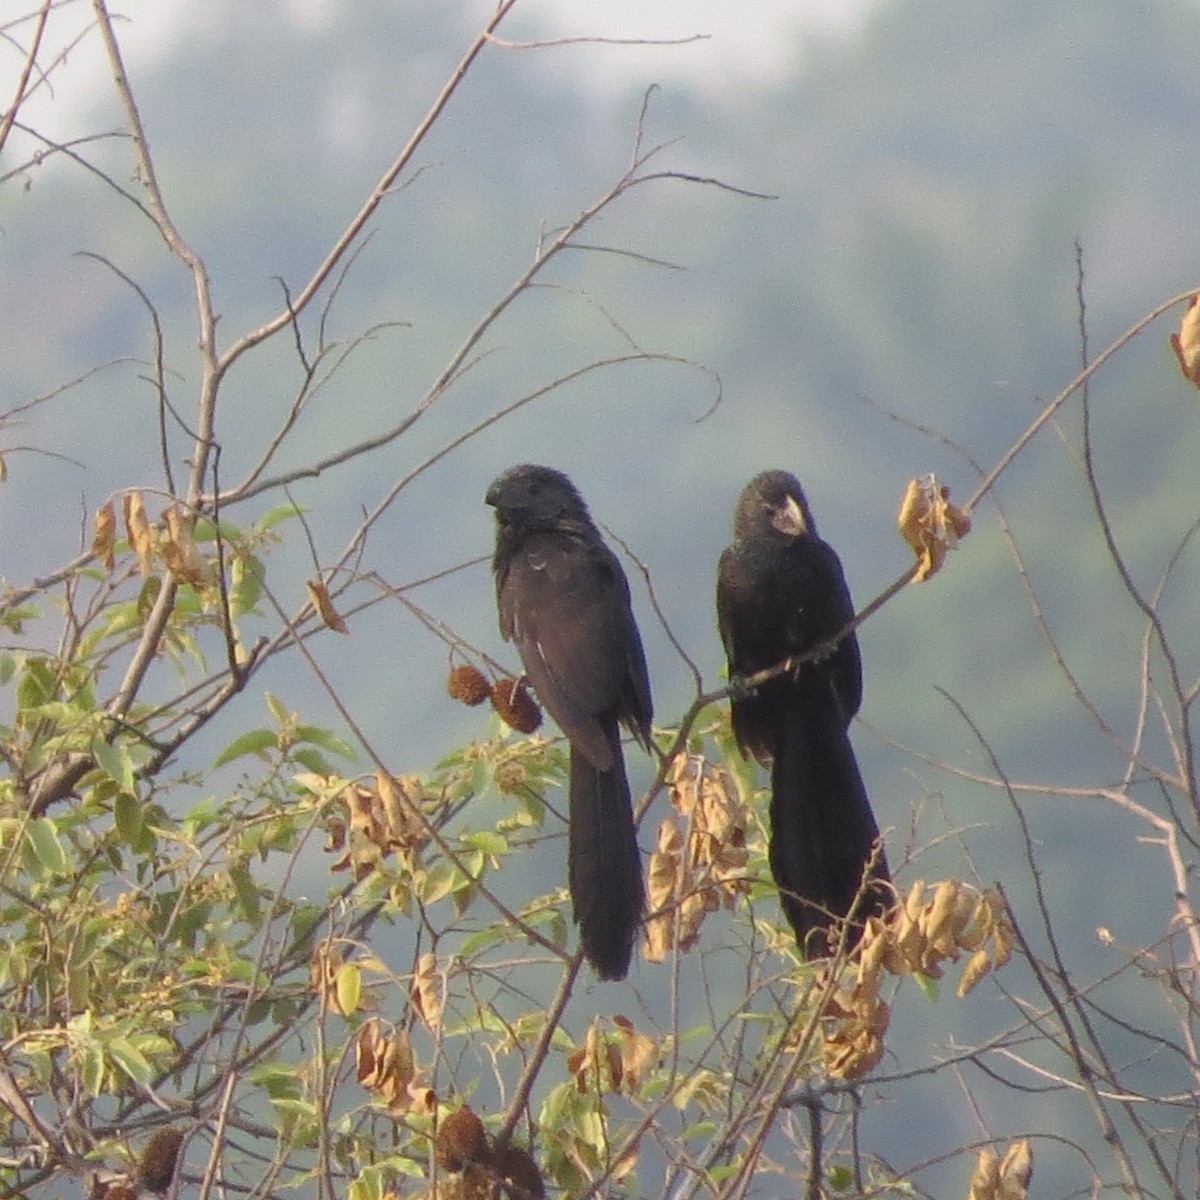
(925, 930)
(382, 817)
(695, 873)
(930, 524)
(1004, 1178)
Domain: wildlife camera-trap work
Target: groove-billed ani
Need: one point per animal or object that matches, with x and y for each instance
(781, 591)
(564, 600)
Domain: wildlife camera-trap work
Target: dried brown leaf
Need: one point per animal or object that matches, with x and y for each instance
(105, 535)
(1186, 343)
(1016, 1171)
(138, 531)
(427, 991)
(180, 552)
(930, 524)
(318, 593)
(986, 1178)
(385, 1063)
(639, 1053)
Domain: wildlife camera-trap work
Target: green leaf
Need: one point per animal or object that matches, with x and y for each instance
(349, 988)
(327, 740)
(841, 1179)
(256, 741)
(115, 762)
(205, 531)
(443, 879)
(127, 814)
(274, 516)
(278, 709)
(93, 1070)
(487, 842)
(248, 898)
(247, 574)
(47, 849)
(130, 1059)
(929, 986)
(313, 760)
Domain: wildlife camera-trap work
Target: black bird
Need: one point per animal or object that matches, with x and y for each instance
(781, 591)
(564, 600)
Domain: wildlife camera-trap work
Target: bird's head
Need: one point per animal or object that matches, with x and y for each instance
(773, 504)
(533, 495)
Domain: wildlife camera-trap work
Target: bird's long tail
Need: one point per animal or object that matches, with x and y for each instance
(823, 833)
(604, 867)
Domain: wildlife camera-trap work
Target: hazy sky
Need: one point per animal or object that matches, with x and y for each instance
(744, 44)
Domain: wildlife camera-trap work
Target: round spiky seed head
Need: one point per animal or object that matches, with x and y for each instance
(468, 684)
(461, 1139)
(157, 1168)
(515, 705)
(518, 1170)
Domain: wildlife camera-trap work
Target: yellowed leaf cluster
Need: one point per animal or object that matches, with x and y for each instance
(381, 817)
(694, 873)
(386, 1066)
(858, 1019)
(930, 524)
(933, 926)
(171, 543)
(1186, 343)
(1006, 1178)
(607, 1063)
(926, 929)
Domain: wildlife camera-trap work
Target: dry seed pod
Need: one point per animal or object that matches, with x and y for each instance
(461, 1139)
(468, 685)
(157, 1167)
(516, 707)
(521, 1174)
